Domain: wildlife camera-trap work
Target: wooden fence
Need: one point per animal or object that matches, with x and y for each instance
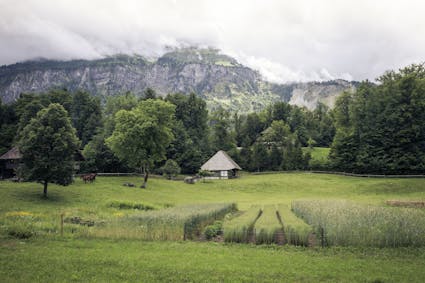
(180, 178)
(342, 174)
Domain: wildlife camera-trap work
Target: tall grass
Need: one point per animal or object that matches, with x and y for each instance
(240, 229)
(268, 226)
(345, 223)
(297, 232)
(176, 223)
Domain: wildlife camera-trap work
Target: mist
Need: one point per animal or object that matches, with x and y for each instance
(284, 40)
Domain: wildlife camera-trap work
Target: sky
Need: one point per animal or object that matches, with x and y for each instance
(285, 40)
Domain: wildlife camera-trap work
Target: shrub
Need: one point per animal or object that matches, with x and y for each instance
(19, 224)
(213, 230)
(171, 169)
(20, 233)
(131, 205)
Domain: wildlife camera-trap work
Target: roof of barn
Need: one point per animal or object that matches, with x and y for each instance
(220, 162)
(13, 153)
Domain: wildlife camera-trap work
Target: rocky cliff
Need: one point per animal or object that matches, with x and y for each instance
(218, 78)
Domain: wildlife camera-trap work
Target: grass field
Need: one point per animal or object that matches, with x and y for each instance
(81, 255)
(318, 154)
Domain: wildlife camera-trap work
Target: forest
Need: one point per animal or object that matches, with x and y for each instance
(377, 129)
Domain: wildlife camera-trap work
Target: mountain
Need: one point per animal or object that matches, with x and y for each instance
(218, 78)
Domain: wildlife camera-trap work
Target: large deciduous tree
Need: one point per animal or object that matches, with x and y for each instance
(141, 135)
(48, 145)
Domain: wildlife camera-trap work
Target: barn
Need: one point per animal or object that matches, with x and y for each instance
(9, 162)
(221, 166)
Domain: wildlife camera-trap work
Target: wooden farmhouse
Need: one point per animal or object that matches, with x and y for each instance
(11, 160)
(221, 166)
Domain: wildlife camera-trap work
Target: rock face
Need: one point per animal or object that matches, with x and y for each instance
(218, 78)
(309, 94)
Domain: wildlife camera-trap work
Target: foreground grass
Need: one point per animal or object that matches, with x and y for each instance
(68, 260)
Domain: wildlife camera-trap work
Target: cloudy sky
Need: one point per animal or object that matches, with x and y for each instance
(285, 40)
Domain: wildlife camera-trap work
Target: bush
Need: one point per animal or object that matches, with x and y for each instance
(19, 224)
(131, 205)
(213, 230)
(20, 232)
(171, 169)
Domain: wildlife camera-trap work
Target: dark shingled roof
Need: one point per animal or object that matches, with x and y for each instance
(220, 162)
(12, 154)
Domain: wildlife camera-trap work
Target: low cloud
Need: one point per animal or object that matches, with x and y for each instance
(284, 40)
(278, 73)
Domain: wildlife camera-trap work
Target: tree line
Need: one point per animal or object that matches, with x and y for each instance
(268, 140)
(379, 128)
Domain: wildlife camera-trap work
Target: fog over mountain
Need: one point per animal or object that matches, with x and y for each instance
(286, 41)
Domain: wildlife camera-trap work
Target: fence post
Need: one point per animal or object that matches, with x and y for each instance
(62, 224)
(322, 236)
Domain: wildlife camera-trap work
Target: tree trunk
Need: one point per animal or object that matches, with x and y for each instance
(145, 178)
(45, 189)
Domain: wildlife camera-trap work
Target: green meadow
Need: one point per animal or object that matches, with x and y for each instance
(103, 221)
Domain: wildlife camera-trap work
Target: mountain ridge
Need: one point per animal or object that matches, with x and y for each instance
(220, 79)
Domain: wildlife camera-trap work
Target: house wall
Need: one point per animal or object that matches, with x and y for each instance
(7, 168)
(221, 175)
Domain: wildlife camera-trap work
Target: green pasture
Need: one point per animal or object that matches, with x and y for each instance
(319, 155)
(245, 191)
(87, 253)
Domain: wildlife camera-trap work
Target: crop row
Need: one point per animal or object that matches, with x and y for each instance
(240, 229)
(297, 232)
(268, 228)
(176, 223)
(345, 223)
(267, 225)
